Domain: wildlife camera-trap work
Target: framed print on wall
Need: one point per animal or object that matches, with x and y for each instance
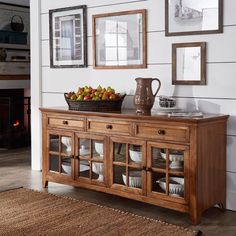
(119, 40)
(68, 37)
(188, 17)
(189, 63)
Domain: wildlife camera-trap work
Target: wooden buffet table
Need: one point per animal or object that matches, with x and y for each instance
(172, 162)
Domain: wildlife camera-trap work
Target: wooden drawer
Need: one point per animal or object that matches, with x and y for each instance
(162, 132)
(109, 126)
(67, 122)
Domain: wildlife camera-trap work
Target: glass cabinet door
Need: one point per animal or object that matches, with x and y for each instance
(127, 161)
(167, 171)
(60, 153)
(90, 161)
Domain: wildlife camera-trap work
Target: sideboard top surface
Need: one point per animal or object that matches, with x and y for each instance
(131, 114)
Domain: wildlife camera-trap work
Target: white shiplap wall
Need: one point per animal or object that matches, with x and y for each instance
(218, 96)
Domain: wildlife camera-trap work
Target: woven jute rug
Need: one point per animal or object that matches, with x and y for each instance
(27, 212)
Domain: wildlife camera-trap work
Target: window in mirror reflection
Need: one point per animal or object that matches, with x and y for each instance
(120, 39)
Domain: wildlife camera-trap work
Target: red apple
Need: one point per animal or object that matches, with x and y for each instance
(86, 98)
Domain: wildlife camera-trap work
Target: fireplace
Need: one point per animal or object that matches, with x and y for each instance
(14, 118)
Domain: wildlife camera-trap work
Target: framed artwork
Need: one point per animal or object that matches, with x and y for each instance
(119, 40)
(186, 17)
(68, 37)
(189, 63)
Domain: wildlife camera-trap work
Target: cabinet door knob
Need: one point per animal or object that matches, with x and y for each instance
(161, 132)
(109, 126)
(65, 122)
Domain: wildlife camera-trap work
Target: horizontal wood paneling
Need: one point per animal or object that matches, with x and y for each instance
(220, 80)
(161, 52)
(53, 100)
(231, 191)
(229, 12)
(231, 155)
(52, 4)
(155, 17)
(230, 200)
(92, 10)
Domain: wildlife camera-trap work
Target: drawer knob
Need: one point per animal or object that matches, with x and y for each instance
(161, 132)
(109, 126)
(65, 122)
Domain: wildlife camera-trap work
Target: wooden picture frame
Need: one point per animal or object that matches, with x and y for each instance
(193, 17)
(68, 37)
(120, 40)
(189, 63)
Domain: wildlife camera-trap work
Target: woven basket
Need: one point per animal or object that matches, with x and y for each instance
(17, 26)
(101, 106)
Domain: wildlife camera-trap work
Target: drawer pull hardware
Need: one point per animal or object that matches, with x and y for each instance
(161, 132)
(109, 126)
(65, 122)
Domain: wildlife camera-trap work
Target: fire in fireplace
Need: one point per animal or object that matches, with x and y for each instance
(16, 123)
(13, 130)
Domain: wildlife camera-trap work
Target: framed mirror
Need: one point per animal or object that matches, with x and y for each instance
(189, 63)
(184, 17)
(119, 40)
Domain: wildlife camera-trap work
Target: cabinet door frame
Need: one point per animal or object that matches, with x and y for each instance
(186, 171)
(127, 141)
(60, 133)
(82, 135)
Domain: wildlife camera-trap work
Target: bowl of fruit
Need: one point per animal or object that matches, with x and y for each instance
(91, 99)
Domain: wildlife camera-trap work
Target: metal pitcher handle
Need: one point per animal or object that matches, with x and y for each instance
(158, 86)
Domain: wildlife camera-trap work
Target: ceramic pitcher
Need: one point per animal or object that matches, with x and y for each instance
(144, 97)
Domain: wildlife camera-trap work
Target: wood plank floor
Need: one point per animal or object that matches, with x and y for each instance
(15, 171)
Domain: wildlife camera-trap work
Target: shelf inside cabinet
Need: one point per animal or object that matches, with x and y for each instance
(177, 172)
(131, 165)
(60, 153)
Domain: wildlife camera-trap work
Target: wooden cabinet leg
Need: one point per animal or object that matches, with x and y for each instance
(195, 217)
(45, 183)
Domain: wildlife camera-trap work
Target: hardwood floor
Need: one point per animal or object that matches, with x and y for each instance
(15, 172)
